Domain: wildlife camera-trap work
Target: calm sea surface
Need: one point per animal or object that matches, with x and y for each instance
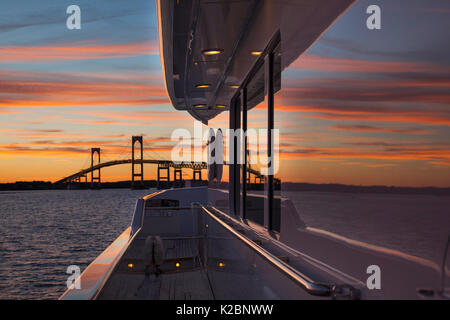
(43, 232)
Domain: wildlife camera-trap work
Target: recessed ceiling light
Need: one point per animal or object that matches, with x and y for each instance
(199, 105)
(221, 106)
(203, 86)
(234, 86)
(211, 52)
(256, 53)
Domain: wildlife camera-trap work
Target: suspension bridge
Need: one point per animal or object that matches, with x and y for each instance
(137, 168)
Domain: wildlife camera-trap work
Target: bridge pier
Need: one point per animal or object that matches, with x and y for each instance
(163, 167)
(177, 177)
(93, 177)
(135, 139)
(177, 174)
(197, 172)
(76, 182)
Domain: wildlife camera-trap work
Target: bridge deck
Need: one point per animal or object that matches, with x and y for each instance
(168, 163)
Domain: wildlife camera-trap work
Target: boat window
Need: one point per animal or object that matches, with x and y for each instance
(261, 202)
(256, 147)
(276, 203)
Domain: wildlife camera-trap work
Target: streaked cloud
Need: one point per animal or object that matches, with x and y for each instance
(83, 50)
(331, 64)
(365, 128)
(61, 90)
(398, 153)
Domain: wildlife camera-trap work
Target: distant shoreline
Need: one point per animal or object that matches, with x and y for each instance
(287, 186)
(343, 188)
(47, 185)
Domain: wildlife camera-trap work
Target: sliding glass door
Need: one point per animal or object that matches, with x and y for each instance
(259, 189)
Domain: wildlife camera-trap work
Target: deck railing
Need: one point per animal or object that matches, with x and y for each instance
(93, 279)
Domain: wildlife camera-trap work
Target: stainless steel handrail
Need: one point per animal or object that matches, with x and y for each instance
(305, 282)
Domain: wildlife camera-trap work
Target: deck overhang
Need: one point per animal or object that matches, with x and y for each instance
(208, 47)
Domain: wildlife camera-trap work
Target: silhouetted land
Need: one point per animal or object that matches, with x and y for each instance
(333, 187)
(287, 186)
(46, 185)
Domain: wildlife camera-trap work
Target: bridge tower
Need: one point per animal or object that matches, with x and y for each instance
(93, 177)
(135, 139)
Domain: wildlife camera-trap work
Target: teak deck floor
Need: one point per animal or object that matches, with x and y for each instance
(173, 283)
(179, 286)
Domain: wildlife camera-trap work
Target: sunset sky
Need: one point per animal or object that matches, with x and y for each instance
(360, 107)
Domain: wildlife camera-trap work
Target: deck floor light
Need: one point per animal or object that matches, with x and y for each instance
(212, 52)
(199, 106)
(203, 86)
(177, 264)
(256, 53)
(130, 265)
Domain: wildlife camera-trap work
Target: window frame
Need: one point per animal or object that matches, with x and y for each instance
(239, 120)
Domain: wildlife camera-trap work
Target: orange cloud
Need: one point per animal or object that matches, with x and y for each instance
(63, 90)
(445, 121)
(76, 51)
(81, 148)
(328, 64)
(6, 111)
(364, 128)
(140, 116)
(399, 153)
(365, 91)
(433, 116)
